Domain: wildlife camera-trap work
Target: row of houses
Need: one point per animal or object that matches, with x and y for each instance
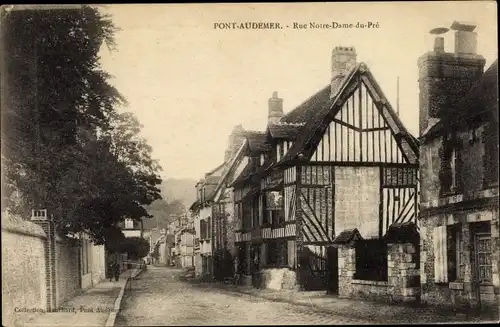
(174, 245)
(337, 195)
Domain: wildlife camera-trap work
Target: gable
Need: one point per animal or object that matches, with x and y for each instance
(360, 126)
(361, 131)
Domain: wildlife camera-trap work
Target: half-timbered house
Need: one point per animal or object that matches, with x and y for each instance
(342, 160)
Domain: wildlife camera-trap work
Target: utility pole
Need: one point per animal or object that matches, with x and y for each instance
(397, 97)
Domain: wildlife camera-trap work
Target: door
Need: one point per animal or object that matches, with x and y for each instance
(332, 261)
(255, 265)
(482, 263)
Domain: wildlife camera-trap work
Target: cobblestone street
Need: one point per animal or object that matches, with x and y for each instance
(159, 297)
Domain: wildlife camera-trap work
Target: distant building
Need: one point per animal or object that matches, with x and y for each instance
(132, 228)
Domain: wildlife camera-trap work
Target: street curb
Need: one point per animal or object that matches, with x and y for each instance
(110, 322)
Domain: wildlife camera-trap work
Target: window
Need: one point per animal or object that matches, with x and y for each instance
(450, 173)
(209, 227)
(129, 223)
(203, 229)
(371, 260)
(255, 211)
(275, 218)
(274, 214)
(272, 252)
(482, 262)
(455, 253)
(247, 215)
(278, 152)
(483, 257)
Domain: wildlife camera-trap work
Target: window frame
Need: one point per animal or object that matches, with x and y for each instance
(487, 236)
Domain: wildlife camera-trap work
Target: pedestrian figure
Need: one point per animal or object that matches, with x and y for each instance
(116, 271)
(110, 271)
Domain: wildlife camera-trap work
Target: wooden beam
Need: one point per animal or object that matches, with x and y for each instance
(375, 129)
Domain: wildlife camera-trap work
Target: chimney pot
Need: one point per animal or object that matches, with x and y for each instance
(465, 37)
(439, 44)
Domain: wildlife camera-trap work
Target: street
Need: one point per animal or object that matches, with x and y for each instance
(159, 297)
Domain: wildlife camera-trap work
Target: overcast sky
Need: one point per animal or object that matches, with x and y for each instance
(189, 83)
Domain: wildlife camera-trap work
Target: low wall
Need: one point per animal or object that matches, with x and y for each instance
(278, 278)
(23, 267)
(402, 276)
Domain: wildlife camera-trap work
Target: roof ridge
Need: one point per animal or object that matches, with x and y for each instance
(305, 101)
(280, 123)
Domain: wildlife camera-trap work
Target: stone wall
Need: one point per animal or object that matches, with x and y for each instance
(40, 269)
(23, 267)
(401, 284)
(403, 277)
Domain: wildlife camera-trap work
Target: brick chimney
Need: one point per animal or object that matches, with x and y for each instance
(445, 78)
(275, 109)
(343, 60)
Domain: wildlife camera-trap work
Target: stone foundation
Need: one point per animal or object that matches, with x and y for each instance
(402, 283)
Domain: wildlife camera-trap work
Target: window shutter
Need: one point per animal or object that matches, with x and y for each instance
(440, 255)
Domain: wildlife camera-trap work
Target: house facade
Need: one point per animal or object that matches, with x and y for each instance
(459, 170)
(202, 211)
(183, 252)
(213, 213)
(342, 161)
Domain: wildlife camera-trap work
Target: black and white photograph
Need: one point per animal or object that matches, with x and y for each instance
(310, 163)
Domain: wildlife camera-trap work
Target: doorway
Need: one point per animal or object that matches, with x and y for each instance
(332, 259)
(481, 259)
(255, 265)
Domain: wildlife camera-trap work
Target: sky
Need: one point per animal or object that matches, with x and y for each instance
(189, 83)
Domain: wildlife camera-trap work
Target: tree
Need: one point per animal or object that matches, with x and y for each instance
(135, 247)
(65, 148)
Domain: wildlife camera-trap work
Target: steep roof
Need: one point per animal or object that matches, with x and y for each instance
(244, 175)
(307, 108)
(231, 167)
(257, 141)
(195, 205)
(287, 131)
(318, 110)
(481, 103)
